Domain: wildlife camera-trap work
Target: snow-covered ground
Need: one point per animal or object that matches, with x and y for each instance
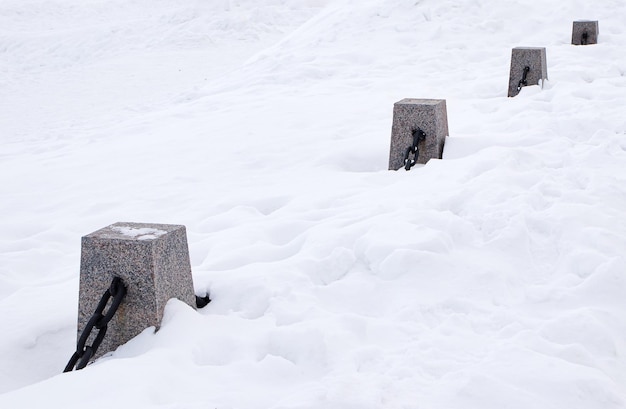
(494, 278)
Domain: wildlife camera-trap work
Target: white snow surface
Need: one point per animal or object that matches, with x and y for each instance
(140, 233)
(494, 278)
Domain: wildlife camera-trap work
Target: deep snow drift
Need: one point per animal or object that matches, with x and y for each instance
(491, 279)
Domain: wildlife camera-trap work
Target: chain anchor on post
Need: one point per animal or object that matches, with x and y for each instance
(584, 38)
(418, 136)
(98, 320)
(523, 82)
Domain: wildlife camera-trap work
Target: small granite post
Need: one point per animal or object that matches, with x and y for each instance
(585, 32)
(153, 262)
(426, 117)
(528, 67)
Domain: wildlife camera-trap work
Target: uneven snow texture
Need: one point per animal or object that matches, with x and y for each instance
(494, 278)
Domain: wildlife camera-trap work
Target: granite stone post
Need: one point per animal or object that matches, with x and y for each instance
(153, 262)
(522, 57)
(428, 115)
(585, 32)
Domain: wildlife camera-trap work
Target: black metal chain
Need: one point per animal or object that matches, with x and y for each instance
(418, 136)
(584, 38)
(202, 302)
(523, 82)
(84, 353)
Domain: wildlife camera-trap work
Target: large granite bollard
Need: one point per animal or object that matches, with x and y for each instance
(585, 32)
(409, 117)
(528, 67)
(153, 262)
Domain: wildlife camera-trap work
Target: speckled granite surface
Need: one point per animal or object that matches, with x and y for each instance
(585, 26)
(533, 57)
(431, 116)
(152, 260)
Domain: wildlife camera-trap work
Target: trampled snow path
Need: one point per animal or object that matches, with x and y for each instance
(493, 278)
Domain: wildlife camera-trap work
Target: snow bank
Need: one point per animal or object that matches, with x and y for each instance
(492, 278)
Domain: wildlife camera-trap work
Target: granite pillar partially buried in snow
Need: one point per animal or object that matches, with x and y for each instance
(153, 262)
(528, 67)
(584, 32)
(414, 115)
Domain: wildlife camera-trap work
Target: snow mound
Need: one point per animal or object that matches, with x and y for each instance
(492, 278)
